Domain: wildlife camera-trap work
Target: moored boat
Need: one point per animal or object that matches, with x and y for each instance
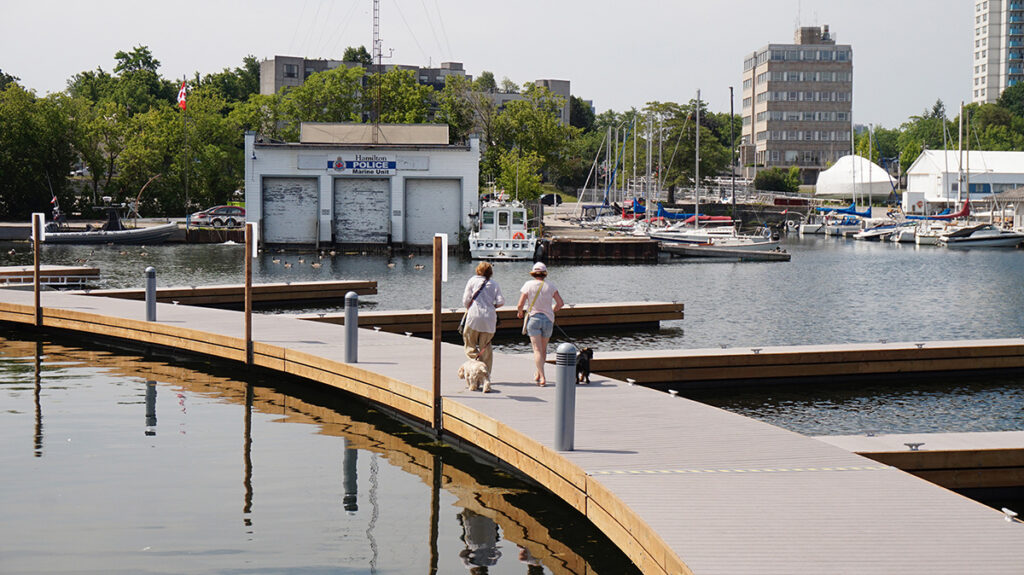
(501, 233)
(982, 235)
(113, 231)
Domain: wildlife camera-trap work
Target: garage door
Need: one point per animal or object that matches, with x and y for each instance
(432, 206)
(361, 210)
(290, 207)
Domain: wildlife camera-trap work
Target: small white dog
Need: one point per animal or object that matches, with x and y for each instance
(474, 372)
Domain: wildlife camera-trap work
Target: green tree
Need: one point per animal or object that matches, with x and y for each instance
(264, 114)
(485, 83)
(238, 84)
(1012, 100)
(92, 85)
(927, 131)
(329, 96)
(581, 114)
(140, 58)
(455, 109)
(360, 55)
(778, 180)
(533, 124)
(403, 100)
(509, 87)
(36, 151)
(519, 174)
(6, 79)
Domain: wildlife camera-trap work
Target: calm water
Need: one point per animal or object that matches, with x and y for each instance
(114, 464)
(833, 291)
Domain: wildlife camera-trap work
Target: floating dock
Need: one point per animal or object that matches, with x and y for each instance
(51, 276)
(980, 460)
(591, 315)
(679, 369)
(602, 250)
(678, 486)
(234, 295)
(725, 253)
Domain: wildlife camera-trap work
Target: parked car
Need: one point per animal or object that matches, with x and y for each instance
(219, 217)
(551, 199)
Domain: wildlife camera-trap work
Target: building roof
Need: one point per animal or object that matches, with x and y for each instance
(980, 162)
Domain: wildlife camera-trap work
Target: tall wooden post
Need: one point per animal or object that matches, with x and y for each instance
(37, 238)
(248, 292)
(436, 335)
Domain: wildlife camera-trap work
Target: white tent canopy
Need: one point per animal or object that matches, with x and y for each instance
(854, 177)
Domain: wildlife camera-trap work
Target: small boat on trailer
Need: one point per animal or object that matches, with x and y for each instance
(501, 233)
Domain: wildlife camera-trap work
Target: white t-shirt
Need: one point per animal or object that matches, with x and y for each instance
(480, 316)
(545, 301)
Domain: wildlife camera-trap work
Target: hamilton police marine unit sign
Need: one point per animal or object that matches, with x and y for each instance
(364, 165)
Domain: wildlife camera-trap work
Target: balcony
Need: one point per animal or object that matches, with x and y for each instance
(1015, 71)
(1015, 43)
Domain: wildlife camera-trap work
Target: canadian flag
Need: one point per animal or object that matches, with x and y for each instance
(181, 96)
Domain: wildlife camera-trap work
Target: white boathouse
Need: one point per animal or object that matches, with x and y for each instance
(933, 180)
(336, 187)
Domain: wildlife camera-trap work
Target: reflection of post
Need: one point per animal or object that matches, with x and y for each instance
(350, 479)
(37, 238)
(151, 407)
(435, 509)
(39, 406)
(247, 454)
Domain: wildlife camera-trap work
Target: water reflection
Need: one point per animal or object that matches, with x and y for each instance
(104, 498)
(38, 436)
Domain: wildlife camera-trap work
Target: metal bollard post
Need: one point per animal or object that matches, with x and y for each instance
(565, 404)
(151, 293)
(351, 327)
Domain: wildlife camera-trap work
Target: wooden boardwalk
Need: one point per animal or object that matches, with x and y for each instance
(580, 316)
(49, 275)
(679, 486)
(688, 368)
(234, 295)
(979, 460)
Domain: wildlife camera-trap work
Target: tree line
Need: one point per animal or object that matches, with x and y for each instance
(125, 132)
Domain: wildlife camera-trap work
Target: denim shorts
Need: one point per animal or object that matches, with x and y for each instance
(539, 324)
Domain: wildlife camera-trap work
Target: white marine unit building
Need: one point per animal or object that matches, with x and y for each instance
(337, 187)
(934, 177)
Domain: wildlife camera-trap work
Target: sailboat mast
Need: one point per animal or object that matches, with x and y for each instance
(696, 168)
(967, 147)
(960, 156)
(871, 166)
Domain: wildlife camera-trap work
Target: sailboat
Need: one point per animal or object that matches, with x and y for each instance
(722, 237)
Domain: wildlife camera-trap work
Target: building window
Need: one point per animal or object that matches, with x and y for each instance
(291, 71)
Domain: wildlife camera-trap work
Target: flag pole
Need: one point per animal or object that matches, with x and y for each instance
(184, 130)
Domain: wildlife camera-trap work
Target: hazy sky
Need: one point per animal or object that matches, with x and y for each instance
(907, 53)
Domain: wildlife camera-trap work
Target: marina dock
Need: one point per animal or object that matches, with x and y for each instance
(725, 253)
(679, 486)
(49, 275)
(619, 315)
(689, 368)
(980, 460)
(234, 295)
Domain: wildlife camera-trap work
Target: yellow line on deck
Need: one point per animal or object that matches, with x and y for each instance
(681, 471)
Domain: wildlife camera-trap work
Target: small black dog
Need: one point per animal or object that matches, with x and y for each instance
(583, 364)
